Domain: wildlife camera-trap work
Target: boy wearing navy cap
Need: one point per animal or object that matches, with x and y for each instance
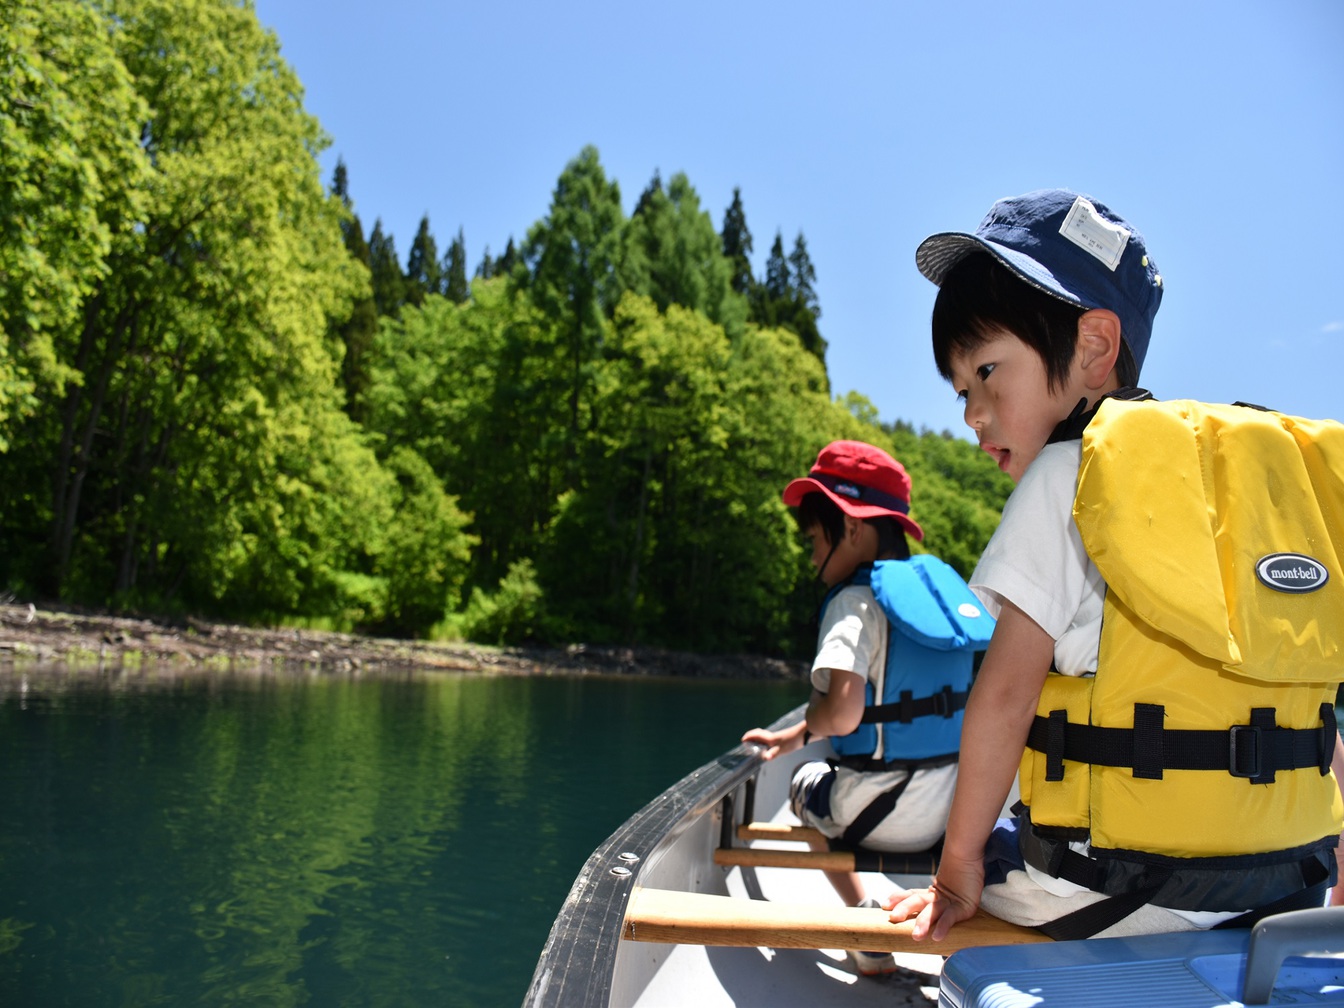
(1042, 321)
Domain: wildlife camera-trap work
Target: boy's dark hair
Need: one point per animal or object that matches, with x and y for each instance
(980, 297)
(818, 509)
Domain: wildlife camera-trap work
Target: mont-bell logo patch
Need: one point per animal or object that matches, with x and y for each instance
(1295, 573)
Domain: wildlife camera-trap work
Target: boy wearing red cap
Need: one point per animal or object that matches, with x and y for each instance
(1174, 776)
(891, 705)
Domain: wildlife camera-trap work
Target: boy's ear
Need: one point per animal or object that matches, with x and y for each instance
(852, 528)
(1098, 346)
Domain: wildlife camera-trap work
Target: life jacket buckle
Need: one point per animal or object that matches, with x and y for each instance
(942, 703)
(1239, 755)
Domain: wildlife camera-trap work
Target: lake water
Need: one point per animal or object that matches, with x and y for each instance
(315, 840)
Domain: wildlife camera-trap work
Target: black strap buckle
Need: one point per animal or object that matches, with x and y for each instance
(942, 702)
(1243, 758)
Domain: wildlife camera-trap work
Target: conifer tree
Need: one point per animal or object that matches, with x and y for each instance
(572, 257)
(803, 276)
(455, 287)
(737, 244)
(340, 184)
(804, 309)
(358, 331)
(389, 286)
(671, 252)
(505, 264)
(424, 275)
(653, 190)
(485, 269)
(778, 283)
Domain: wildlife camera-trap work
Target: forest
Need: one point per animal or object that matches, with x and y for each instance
(220, 396)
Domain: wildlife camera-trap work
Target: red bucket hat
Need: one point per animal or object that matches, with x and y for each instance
(863, 481)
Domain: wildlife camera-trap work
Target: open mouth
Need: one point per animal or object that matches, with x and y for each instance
(1000, 455)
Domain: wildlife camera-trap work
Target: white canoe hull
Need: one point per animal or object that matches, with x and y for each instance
(669, 845)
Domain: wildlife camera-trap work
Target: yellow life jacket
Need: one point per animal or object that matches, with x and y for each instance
(1203, 743)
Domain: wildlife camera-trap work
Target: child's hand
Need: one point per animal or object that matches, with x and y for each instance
(775, 743)
(953, 897)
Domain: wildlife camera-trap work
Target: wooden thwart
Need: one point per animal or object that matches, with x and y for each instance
(680, 918)
(764, 857)
(778, 831)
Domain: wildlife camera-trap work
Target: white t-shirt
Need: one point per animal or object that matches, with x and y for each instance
(852, 638)
(1036, 560)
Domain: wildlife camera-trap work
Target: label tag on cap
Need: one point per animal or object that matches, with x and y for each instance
(1093, 233)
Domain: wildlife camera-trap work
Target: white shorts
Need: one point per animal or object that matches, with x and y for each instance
(1018, 899)
(829, 798)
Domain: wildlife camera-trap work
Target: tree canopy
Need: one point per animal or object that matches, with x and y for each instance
(218, 396)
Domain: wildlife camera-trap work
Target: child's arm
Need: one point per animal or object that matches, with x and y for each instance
(1337, 765)
(993, 736)
(836, 712)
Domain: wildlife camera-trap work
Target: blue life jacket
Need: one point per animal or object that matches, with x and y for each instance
(935, 626)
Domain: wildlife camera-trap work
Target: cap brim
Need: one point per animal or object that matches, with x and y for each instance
(799, 488)
(938, 253)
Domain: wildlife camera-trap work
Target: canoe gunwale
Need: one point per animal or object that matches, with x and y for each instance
(578, 961)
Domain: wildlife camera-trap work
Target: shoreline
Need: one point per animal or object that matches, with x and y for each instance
(72, 642)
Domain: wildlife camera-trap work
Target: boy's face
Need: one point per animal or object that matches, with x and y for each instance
(1008, 401)
(834, 565)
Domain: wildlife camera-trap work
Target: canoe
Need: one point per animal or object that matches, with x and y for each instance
(709, 896)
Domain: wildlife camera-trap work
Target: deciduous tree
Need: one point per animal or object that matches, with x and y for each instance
(72, 181)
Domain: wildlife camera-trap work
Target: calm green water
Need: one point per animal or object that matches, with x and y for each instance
(321, 841)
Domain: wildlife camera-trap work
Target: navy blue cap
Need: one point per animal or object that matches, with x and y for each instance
(1069, 246)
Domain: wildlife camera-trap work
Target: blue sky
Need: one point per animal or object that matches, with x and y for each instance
(1216, 128)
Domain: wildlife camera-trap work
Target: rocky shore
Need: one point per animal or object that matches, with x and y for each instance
(32, 638)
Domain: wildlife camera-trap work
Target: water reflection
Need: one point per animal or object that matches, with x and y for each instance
(315, 839)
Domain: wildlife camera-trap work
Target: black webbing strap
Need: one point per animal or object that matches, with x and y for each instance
(1331, 727)
(1311, 895)
(1099, 916)
(944, 703)
(1096, 917)
(900, 863)
(1255, 751)
(878, 809)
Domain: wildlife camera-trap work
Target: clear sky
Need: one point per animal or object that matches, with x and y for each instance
(1217, 128)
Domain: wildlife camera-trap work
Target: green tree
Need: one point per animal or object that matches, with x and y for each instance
(424, 273)
(737, 245)
(778, 280)
(356, 333)
(505, 264)
(425, 558)
(671, 253)
(455, 286)
(189, 460)
(803, 276)
(72, 180)
(477, 390)
(572, 258)
(389, 285)
(803, 310)
(788, 299)
(676, 535)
